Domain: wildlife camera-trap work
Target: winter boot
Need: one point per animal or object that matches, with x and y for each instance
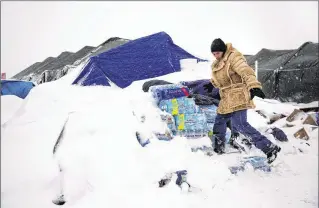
(219, 145)
(239, 144)
(272, 154)
(232, 139)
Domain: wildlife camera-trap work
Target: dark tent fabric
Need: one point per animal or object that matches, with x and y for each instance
(16, 87)
(289, 75)
(204, 100)
(155, 82)
(197, 87)
(140, 59)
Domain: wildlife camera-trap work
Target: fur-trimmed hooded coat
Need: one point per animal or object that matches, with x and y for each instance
(234, 78)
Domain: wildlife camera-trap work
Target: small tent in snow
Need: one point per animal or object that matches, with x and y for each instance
(16, 87)
(143, 58)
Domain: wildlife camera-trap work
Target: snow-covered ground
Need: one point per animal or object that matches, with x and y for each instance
(9, 105)
(104, 165)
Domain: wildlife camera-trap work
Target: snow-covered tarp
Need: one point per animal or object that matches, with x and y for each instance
(146, 57)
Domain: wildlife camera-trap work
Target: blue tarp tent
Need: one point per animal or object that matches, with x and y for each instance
(143, 58)
(16, 87)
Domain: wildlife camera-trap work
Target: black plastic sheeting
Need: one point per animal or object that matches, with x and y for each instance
(53, 68)
(155, 82)
(289, 75)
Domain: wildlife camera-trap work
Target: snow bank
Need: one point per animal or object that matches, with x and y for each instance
(9, 105)
(103, 165)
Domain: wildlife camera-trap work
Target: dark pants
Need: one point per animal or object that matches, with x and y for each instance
(231, 127)
(239, 124)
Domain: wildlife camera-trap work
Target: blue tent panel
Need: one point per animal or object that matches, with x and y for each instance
(16, 87)
(143, 58)
(92, 75)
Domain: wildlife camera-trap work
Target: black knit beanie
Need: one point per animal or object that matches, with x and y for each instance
(218, 45)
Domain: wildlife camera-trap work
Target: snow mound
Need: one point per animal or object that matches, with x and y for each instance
(9, 105)
(103, 165)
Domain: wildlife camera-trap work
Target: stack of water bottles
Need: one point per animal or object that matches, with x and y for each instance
(190, 120)
(210, 112)
(168, 91)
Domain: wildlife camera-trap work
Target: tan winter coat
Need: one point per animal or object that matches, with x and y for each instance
(234, 78)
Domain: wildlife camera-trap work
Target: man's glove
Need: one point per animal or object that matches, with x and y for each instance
(208, 87)
(256, 92)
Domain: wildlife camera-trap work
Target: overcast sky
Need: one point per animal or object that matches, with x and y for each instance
(33, 31)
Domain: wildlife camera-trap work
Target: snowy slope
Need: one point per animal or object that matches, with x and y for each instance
(104, 166)
(9, 105)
